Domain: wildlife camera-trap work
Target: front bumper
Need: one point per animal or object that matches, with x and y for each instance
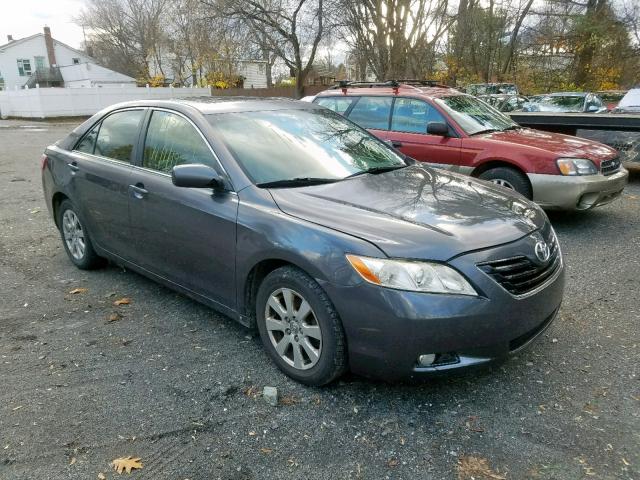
(579, 192)
(387, 330)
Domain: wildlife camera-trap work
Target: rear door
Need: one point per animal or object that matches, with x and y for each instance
(185, 235)
(100, 167)
(409, 120)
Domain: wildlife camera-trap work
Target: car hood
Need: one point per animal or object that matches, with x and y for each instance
(416, 212)
(555, 143)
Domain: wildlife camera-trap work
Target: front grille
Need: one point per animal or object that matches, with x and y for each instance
(520, 275)
(608, 167)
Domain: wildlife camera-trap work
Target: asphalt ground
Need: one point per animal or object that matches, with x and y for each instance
(177, 385)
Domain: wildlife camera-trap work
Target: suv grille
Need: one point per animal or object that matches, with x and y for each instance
(610, 166)
(519, 275)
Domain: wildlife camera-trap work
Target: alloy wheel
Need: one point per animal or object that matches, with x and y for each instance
(73, 234)
(502, 183)
(293, 328)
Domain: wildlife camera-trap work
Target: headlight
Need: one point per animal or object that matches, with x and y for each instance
(576, 166)
(409, 275)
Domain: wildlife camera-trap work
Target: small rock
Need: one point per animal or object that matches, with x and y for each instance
(270, 394)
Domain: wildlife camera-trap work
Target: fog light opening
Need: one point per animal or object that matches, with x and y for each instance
(437, 359)
(426, 360)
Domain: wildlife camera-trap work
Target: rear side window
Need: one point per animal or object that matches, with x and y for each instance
(88, 143)
(372, 112)
(118, 134)
(412, 115)
(172, 140)
(337, 104)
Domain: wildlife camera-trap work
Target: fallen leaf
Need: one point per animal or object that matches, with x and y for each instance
(266, 450)
(252, 392)
(392, 462)
(126, 464)
(624, 460)
(122, 301)
(289, 400)
(101, 476)
(78, 290)
(115, 316)
(73, 460)
(476, 468)
(16, 408)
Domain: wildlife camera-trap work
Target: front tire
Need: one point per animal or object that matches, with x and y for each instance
(300, 328)
(76, 239)
(509, 178)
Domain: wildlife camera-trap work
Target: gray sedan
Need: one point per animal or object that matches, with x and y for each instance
(291, 219)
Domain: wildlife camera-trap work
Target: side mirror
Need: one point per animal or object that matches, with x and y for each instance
(438, 128)
(196, 175)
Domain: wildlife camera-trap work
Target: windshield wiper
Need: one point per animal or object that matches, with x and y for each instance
(486, 130)
(296, 182)
(512, 127)
(374, 170)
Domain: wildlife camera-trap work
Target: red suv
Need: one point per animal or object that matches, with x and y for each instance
(453, 130)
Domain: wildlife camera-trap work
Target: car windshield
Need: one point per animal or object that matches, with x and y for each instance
(475, 116)
(297, 145)
(561, 103)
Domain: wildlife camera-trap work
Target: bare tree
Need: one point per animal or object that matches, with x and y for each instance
(292, 29)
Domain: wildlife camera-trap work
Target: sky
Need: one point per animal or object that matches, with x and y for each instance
(22, 18)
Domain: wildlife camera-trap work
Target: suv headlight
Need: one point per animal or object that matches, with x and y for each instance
(576, 166)
(410, 275)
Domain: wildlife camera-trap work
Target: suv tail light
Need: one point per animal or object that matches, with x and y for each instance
(44, 161)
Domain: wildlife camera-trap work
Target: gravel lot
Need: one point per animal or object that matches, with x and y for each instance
(178, 385)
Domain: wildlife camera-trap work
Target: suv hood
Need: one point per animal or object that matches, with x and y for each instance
(416, 212)
(557, 144)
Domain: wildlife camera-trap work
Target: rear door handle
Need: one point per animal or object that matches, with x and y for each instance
(73, 166)
(138, 190)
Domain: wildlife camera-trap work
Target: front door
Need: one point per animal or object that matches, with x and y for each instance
(408, 133)
(185, 235)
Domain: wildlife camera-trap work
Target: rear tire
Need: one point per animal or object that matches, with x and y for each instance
(76, 239)
(300, 328)
(510, 178)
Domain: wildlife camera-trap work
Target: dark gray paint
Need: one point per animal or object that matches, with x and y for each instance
(205, 243)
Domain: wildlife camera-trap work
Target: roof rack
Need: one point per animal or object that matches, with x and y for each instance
(342, 84)
(350, 84)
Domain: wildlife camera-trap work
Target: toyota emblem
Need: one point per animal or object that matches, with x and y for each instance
(542, 251)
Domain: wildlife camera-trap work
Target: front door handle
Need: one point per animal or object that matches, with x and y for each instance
(138, 190)
(73, 166)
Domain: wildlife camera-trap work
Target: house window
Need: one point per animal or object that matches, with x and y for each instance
(24, 67)
(261, 68)
(76, 61)
(39, 63)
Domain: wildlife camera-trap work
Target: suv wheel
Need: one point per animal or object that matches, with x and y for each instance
(300, 328)
(509, 178)
(76, 239)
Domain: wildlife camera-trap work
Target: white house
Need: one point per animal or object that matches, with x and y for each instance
(254, 73)
(40, 59)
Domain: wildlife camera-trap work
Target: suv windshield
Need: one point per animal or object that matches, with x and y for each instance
(560, 103)
(312, 145)
(475, 116)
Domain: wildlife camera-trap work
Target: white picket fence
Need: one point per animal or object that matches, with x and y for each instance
(71, 102)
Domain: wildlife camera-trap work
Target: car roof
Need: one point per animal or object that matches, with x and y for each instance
(400, 90)
(210, 105)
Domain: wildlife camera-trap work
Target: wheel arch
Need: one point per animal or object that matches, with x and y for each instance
(56, 200)
(491, 164)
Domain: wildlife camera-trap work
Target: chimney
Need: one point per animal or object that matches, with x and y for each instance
(9, 38)
(49, 43)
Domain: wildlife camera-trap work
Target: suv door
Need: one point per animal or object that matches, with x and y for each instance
(408, 133)
(100, 168)
(185, 235)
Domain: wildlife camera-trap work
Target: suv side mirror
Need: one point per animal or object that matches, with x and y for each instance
(438, 128)
(196, 175)
(593, 108)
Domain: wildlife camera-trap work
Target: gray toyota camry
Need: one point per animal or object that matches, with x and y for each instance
(291, 219)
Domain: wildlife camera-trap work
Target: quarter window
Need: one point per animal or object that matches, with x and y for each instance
(172, 140)
(118, 134)
(337, 104)
(372, 112)
(412, 115)
(88, 143)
